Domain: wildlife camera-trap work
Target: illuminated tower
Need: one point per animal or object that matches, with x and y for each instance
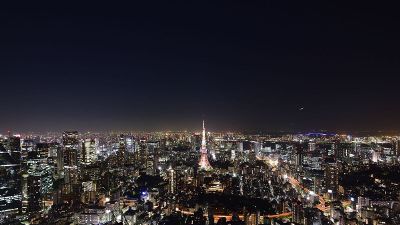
(203, 163)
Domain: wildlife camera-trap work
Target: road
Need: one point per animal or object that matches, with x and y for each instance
(229, 217)
(274, 163)
(321, 206)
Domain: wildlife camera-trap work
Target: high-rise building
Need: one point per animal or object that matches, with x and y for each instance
(171, 181)
(37, 182)
(53, 150)
(60, 162)
(89, 151)
(204, 163)
(33, 190)
(362, 202)
(43, 149)
(25, 197)
(311, 146)
(121, 152)
(89, 191)
(10, 192)
(70, 156)
(344, 150)
(151, 157)
(233, 155)
(299, 158)
(397, 148)
(240, 146)
(257, 148)
(27, 145)
(331, 177)
(298, 212)
(130, 144)
(14, 146)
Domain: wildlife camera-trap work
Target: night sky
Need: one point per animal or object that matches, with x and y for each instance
(254, 66)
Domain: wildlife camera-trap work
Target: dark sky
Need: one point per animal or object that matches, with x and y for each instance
(167, 65)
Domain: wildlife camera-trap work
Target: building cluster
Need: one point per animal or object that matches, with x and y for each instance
(204, 178)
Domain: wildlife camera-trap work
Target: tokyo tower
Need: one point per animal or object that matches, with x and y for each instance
(203, 163)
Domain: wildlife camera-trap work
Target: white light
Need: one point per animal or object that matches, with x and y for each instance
(330, 191)
(352, 199)
(107, 199)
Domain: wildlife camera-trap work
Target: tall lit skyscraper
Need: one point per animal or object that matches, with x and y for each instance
(31, 181)
(257, 147)
(171, 181)
(27, 145)
(130, 144)
(300, 149)
(331, 177)
(10, 192)
(204, 163)
(89, 151)
(70, 156)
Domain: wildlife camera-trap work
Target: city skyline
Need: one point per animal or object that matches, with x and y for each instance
(203, 178)
(199, 113)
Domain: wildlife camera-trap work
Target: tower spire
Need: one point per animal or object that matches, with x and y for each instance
(204, 164)
(203, 139)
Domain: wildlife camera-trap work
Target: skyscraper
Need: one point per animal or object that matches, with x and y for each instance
(10, 192)
(331, 177)
(203, 163)
(70, 156)
(37, 182)
(171, 181)
(89, 151)
(121, 153)
(14, 146)
(27, 145)
(299, 158)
